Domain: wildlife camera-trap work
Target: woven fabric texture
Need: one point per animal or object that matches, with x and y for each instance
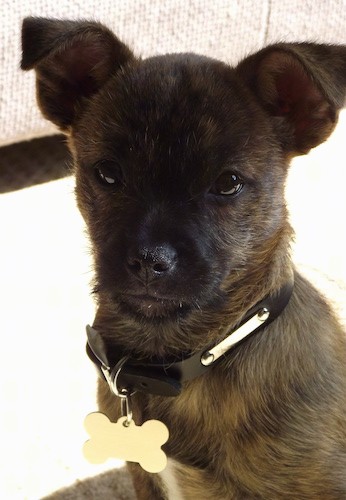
(225, 29)
(33, 162)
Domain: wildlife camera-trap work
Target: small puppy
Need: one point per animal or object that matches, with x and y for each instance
(180, 164)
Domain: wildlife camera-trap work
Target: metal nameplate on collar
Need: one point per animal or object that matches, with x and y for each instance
(147, 380)
(247, 328)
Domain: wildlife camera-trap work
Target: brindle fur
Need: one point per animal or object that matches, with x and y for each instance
(268, 421)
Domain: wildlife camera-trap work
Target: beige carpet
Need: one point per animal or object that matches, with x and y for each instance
(112, 485)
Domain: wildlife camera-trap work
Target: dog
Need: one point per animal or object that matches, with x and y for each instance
(180, 164)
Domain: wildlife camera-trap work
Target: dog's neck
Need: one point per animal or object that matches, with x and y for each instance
(165, 377)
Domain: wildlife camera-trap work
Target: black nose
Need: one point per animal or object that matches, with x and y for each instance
(148, 263)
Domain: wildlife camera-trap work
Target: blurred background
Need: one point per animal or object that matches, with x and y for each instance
(47, 383)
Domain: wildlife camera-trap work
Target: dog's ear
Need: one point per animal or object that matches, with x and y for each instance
(72, 60)
(302, 86)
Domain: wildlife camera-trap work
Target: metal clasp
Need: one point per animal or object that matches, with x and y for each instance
(126, 409)
(123, 394)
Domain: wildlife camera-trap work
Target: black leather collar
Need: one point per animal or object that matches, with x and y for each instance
(166, 377)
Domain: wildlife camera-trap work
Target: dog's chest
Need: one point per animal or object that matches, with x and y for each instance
(171, 486)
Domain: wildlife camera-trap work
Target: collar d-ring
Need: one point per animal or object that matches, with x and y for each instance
(112, 378)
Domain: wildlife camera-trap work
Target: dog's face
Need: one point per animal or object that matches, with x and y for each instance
(179, 185)
(180, 166)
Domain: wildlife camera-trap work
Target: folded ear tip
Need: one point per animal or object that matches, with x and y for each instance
(28, 21)
(37, 36)
(30, 27)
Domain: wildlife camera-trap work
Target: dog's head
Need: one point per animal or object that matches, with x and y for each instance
(180, 164)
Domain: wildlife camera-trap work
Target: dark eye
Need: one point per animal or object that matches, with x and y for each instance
(227, 184)
(108, 174)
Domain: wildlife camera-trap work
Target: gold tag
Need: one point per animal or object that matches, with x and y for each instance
(126, 441)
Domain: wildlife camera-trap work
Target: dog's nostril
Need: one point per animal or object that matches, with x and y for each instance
(158, 260)
(160, 267)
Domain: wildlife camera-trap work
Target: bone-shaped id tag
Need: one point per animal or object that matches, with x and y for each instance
(130, 442)
(125, 440)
